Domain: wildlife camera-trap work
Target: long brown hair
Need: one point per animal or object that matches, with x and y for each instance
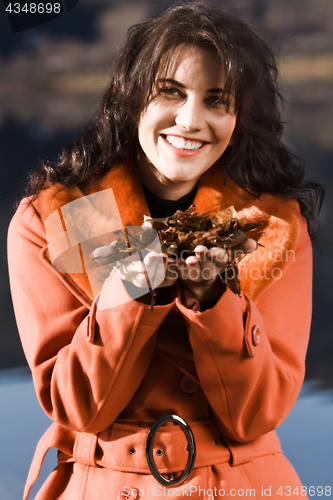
(258, 161)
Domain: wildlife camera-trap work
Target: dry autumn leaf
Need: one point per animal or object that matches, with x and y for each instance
(181, 233)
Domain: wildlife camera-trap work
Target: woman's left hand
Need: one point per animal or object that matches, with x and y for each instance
(200, 273)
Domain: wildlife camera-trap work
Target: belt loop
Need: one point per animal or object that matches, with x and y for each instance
(85, 448)
(240, 452)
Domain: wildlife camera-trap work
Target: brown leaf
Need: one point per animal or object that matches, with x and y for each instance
(181, 232)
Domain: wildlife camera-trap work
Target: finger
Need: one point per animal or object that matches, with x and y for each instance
(192, 271)
(201, 253)
(171, 274)
(196, 270)
(124, 273)
(102, 261)
(170, 265)
(209, 269)
(218, 256)
(212, 260)
(135, 272)
(127, 271)
(137, 266)
(104, 255)
(151, 259)
(248, 246)
(139, 280)
(157, 269)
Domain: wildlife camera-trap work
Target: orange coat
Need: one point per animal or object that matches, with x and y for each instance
(103, 374)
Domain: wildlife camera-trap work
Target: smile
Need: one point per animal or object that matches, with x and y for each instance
(183, 144)
(182, 147)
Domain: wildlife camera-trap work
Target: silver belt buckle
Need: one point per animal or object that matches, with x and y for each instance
(190, 448)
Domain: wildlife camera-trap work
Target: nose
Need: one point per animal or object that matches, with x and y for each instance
(191, 115)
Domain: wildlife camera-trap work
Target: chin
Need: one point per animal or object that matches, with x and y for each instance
(178, 176)
(179, 179)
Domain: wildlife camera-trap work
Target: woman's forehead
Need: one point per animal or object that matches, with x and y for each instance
(183, 59)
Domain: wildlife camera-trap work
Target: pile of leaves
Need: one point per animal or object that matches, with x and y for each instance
(181, 233)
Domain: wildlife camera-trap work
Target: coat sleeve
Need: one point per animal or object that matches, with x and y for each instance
(250, 357)
(83, 380)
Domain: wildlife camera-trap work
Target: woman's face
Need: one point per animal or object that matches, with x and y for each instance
(185, 127)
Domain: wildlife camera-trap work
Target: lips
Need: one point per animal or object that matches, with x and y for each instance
(180, 146)
(182, 143)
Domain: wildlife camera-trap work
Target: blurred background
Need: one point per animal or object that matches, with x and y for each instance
(51, 80)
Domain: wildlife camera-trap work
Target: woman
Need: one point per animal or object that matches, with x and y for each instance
(191, 115)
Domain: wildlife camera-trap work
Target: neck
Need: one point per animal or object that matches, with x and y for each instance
(160, 185)
(169, 190)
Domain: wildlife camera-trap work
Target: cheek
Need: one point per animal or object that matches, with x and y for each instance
(227, 128)
(231, 122)
(147, 126)
(232, 130)
(144, 134)
(156, 117)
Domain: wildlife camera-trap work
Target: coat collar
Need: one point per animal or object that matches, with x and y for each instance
(75, 229)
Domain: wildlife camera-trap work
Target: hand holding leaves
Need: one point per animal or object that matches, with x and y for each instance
(198, 248)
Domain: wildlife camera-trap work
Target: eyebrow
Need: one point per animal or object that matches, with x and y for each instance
(181, 85)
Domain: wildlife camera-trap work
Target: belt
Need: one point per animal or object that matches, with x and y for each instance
(190, 448)
(122, 447)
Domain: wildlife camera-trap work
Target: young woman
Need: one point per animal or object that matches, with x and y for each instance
(191, 116)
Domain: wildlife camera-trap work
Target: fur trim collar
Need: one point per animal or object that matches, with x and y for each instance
(78, 221)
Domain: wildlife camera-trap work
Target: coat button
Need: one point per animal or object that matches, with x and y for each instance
(127, 493)
(255, 335)
(187, 385)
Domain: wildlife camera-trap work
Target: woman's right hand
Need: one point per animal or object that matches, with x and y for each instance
(160, 269)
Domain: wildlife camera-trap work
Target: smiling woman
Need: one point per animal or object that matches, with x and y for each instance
(191, 116)
(186, 117)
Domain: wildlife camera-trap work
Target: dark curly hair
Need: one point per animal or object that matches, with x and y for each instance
(257, 161)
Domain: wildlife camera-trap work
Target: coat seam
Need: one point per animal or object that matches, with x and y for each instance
(120, 363)
(85, 483)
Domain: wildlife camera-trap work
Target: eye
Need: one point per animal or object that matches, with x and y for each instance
(218, 100)
(170, 91)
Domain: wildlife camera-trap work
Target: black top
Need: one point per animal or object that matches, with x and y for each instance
(160, 207)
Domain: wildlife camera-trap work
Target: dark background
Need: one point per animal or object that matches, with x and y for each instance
(51, 79)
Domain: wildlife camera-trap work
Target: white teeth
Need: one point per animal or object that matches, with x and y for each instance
(180, 143)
